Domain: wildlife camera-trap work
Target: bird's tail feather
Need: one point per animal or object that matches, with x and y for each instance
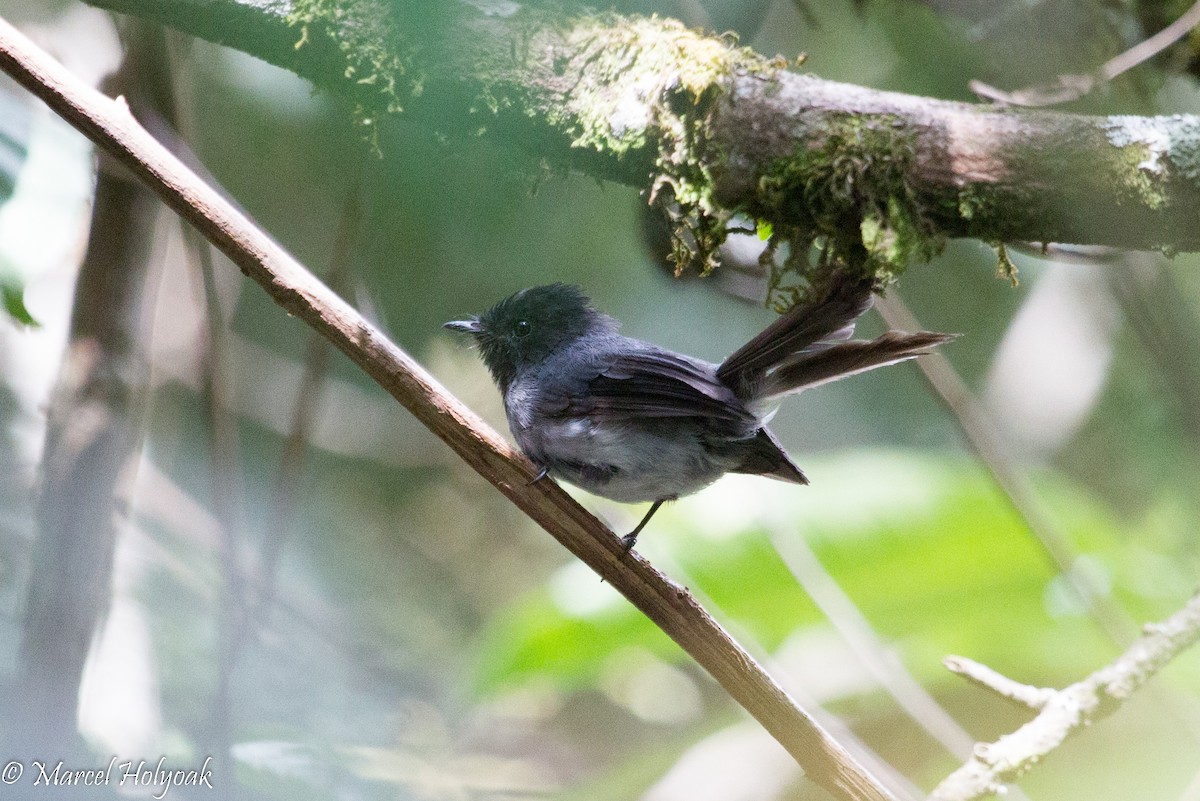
(805, 328)
(845, 359)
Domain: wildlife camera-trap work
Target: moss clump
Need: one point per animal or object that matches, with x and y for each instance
(377, 59)
(1006, 268)
(850, 195)
(639, 82)
(644, 89)
(635, 75)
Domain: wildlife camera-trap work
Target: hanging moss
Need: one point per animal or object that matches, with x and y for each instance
(640, 82)
(629, 86)
(1006, 268)
(852, 194)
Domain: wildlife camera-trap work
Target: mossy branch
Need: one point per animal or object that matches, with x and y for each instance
(671, 607)
(880, 179)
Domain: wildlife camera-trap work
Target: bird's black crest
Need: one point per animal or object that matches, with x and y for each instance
(530, 325)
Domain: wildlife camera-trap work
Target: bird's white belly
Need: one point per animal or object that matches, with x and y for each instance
(630, 464)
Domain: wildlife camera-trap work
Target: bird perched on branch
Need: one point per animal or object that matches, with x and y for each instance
(633, 422)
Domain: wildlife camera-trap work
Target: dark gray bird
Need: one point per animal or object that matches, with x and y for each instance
(631, 421)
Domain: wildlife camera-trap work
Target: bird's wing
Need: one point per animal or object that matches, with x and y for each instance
(806, 327)
(656, 383)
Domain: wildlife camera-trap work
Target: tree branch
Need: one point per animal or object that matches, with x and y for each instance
(109, 124)
(884, 177)
(1063, 712)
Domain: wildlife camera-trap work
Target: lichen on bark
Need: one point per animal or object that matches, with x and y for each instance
(378, 58)
(652, 82)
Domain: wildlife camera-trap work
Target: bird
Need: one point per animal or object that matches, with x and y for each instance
(633, 422)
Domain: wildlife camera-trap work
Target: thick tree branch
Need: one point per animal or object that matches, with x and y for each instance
(669, 605)
(1064, 712)
(885, 177)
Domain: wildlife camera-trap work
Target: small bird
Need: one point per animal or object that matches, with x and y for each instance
(634, 422)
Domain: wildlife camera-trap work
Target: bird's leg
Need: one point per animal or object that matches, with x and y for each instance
(544, 472)
(631, 538)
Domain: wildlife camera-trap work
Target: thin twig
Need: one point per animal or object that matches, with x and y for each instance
(1156, 308)
(1024, 694)
(1145, 50)
(1068, 88)
(298, 291)
(980, 433)
(223, 443)
(223, 463)
(1066, 711)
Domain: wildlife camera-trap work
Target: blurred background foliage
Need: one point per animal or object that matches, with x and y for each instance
(364, 618)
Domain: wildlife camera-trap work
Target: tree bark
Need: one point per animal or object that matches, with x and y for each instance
(884, 177)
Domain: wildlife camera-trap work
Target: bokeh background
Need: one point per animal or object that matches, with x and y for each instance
(307, 586)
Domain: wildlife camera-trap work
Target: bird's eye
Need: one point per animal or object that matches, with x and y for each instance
(522, 328)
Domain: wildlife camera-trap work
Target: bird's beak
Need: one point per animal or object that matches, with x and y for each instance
(463, 326)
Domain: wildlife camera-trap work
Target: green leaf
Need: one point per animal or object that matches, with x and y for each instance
(765, 230)
(14, 302)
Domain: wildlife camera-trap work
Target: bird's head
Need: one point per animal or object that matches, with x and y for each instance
(523, 330)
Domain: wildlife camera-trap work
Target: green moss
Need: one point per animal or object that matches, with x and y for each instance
(970, 203)
(1006, 268)
(628, 87)
(1141, 150)
(640, 82)
(1144, 183)
(850, 195)
(377, 59)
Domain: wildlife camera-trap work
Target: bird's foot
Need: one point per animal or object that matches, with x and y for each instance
(630, 539)
(544, 472)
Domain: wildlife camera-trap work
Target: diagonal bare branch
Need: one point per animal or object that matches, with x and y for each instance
(670, 606)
